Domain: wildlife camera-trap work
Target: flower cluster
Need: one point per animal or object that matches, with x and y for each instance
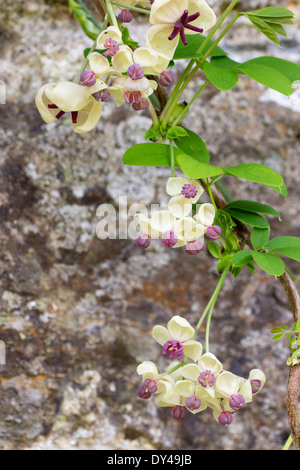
(176, 226)
(197, 385)
(118, 70)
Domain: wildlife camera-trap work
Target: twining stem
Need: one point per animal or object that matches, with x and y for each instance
(103, 27)
(288, 443)
(209, 307)
(185, 111)
(111, 13)
(129, 7)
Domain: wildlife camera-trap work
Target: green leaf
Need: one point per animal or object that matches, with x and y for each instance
(194, 43)
(214, 249)
(221, 78)
(249, 218)
(267, 75)
(257, 173)
(193, 145)
(264, 28)
(273, 12)
(269, 263)
(87, 21)
(252, 206)
(259, 237)
(290, 70)
(223, 62)
(150, 154)
(286, 246)
(279, 336)
(241, 258)
(126, 38)
(276, 330)
(176, 132)
(194, 169)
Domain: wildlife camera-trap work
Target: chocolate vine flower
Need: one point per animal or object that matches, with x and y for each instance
(171, 19)
(176, 339)
(54, 100)
(204, 373)
(150, 62)
(184, 194)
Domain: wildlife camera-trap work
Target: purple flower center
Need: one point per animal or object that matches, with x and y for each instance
(132, 97)
(193, 248)
(255, 386)
(213, 232)
(225, 418)
(135, 72)
(236, 402)
(178, 412)
(88, 78)
(206, 378)
(60, 113)
(169, 239)
(147, 389)
(174, 348)
(189, 191)
(112, 47)
(143, 241)
(193, 403)
(184, 22)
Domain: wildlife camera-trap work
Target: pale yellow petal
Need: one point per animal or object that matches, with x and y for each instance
(180, 329)
(68, 96)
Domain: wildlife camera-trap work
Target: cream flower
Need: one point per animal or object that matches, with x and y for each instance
(54, 100)
(177, 340)
(151, 62)
(132, 91)
(111, 33)
(164, 383)
(184, 194)
(204, 373)
(170, 18)
(205, 215)
(194, 395)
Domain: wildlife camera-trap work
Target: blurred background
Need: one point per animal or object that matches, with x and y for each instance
(77, 312)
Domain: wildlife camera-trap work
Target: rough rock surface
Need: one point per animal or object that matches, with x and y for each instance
(76, 311)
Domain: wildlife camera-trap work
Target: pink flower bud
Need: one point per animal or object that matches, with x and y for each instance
(225, 418)
(143, 241)
(193, 403)
(141, 105)
(132, 97)
(236, 402)
(255, 386)
(147, 389)
(193, 248)
(169, 239)
(166, 78)
(178, 412)
(88, 78)
(213, 232)
(135, 72)
(125, 16)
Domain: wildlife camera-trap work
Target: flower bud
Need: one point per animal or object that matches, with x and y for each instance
(147, 389)
(178, 412)
(255, 386)
(193, 403)
(236, 402)
(88, 78)
(135, 72)
(141, 105)
(225, 418)
(169, 239)
(213, 232)
(166, 78)
(193, 248)
(125, 16)
(132, 97)
(143, 241)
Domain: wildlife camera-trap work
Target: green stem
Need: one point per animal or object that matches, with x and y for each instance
(209, 191)
(111, 13)
(128, 7)
(288, 443)
(153, 114)
(172, 158)
(185, 111)
(210, 50)
(214, 297)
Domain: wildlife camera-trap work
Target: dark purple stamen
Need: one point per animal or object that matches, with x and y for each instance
(60, 114)
(52, 106)
(182, 23)
(174, 347)
(74, 115)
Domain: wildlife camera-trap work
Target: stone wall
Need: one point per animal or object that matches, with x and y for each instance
(76, 311)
